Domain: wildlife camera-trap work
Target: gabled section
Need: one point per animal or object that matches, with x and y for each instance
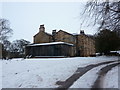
(42, 36)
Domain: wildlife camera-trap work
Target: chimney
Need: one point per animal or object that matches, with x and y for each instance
(42, 28)
(82, 32)
(53, 33)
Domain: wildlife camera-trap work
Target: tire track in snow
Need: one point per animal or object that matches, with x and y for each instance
(79, 72)
(98, 83)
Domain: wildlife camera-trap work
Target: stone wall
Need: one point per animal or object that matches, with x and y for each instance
(65, 37)
(86, 45)
(42, 37)
(62, 36)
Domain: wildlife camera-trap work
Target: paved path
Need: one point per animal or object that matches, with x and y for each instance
(79, 72)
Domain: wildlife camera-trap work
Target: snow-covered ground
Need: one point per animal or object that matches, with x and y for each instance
(88, 79)
(111, 79)
(43, 72)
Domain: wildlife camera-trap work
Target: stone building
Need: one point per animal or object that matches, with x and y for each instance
(38, 38)
(83, 45)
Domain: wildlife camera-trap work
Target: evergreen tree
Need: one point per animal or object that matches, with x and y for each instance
(106, 41)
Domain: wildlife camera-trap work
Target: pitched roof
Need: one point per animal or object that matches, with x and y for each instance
(45, 33)
(48, 34)
(65, 32)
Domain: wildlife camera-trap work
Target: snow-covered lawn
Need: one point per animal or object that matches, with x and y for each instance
(43, 72)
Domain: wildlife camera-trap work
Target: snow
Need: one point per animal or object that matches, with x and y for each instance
(75, 34)
(43, 72)
(88, 79)
(118, 52)
(115, 51)
(52, 43)
(111, 79)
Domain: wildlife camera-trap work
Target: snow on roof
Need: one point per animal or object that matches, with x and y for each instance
(115, 51)
(75, 34)
(52, 43)
(48, 33)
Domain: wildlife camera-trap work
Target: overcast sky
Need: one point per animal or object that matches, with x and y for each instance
(26, 17)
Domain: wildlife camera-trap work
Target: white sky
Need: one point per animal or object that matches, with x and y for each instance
(26, 17)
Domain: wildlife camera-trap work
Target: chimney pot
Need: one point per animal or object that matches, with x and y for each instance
(42, 28)
(53, 32)
(82, 32)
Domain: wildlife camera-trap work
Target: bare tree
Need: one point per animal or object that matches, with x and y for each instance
(106, 13)
(5, 30)
(18, 46)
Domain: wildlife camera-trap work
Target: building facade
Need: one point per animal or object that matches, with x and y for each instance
(42, 36)
(83, 45)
